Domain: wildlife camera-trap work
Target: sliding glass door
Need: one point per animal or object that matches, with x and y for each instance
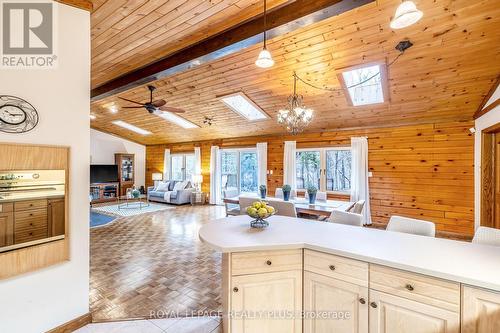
(239, 170)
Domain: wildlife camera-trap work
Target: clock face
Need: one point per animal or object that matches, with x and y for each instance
(16, 115)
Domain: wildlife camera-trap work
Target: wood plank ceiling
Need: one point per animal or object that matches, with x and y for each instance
(443, 77)
(127, 34)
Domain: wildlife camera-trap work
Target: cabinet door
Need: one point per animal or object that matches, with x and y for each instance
(6, 229)
(393, 314)
(56, 217)
(333, 305)
(480, 311)
(267, 303)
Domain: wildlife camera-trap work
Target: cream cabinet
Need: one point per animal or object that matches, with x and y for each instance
(267, 302)
(394, 314)
(332, 305)
(480, 310)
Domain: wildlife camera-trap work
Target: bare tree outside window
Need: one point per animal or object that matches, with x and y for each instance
(338, 170)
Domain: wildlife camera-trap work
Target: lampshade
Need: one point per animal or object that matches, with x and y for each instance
(197, 179)
(264, 60)
(157, 176)
(406, 15)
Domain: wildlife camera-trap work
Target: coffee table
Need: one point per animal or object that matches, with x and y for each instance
(125, 202)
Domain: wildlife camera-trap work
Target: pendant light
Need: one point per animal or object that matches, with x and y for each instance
(295, 116)
(406, 15)
(265, 60)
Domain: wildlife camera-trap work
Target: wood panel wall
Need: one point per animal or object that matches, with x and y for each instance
(421, 171)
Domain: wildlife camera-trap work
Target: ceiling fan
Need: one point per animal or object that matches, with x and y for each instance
(154, 107)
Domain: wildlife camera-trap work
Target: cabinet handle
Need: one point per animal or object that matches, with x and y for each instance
(373, 305)
(332, 268)
(269, 263)
(409, 287)
(362, 301)
(235, 289)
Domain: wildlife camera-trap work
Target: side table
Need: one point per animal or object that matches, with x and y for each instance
(198, 198)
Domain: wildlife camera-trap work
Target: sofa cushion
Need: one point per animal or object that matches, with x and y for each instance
(172, 184)
(162, 187)
(157, 194)
(173, 195)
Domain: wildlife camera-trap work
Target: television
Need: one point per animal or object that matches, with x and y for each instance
(101, 173)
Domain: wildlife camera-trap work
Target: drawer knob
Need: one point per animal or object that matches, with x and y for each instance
(269, 263)
(409, 287)
(362, 301)
(373, 305)
(31, 234)
(235, 289)
(31, 224)
(31, 214)
(332, 267)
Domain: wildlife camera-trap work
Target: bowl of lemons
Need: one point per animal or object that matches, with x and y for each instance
(260, 211)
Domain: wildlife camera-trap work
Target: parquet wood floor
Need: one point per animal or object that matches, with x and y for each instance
(154, 265)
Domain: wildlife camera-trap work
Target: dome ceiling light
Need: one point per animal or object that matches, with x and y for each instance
(406, 15)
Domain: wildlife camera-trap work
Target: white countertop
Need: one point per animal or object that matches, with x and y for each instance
(477, 265)
(13, 196)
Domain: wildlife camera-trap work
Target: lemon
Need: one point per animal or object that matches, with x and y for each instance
(270, 209)
(257, 204)
(263, 205)
(262, 212)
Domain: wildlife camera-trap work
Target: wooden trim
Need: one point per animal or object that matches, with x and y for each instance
(73, 325)
(481, 110)
(232, 40)
(80, 4)
(487, 179)
(492, 129)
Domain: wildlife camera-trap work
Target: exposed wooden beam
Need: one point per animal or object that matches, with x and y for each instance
(483, 110)
(82, 4)
(279, 21)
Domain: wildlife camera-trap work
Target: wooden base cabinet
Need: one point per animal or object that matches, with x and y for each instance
(480, 310)
(267, 302)
(338, 306)
(6, 229)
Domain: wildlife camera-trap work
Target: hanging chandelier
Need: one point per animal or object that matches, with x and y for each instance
(265, 60)
(295, 117)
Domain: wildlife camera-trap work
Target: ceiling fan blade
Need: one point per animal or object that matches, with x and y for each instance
(129, 100)
(171, 109)
(159, 103)
(132, 107)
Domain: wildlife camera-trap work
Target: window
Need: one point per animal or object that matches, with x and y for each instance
(241, 104)
(328, 169)
(365, 85)
(239, 170)
(182, 166)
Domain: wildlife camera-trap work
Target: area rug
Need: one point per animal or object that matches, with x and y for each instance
(132, 210)
(99, 220)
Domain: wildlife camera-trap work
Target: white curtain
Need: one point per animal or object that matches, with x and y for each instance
(197, 160)
(166, 165)
(262, 163)
(289, 162)
(215, 176)
(359, 175)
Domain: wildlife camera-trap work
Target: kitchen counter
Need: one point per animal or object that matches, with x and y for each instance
(13, 197)
(472, 264)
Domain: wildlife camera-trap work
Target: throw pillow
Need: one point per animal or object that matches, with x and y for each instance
(162, 187)
(180, 186)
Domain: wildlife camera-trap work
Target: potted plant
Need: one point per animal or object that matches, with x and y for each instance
(311, 193)
(286, 192)
(263, 191)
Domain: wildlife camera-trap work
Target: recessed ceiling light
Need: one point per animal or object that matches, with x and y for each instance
(173, 118)
(241, 104)
(131, 127)
(92, 116)
(113, 109)
(364, 85)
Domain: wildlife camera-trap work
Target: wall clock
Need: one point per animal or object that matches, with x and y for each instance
(16, 115)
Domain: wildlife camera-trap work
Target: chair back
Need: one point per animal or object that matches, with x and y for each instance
(245, 202)
(278, 193)
(321, 196)
(411, 226)
(343, 217)
(358, 207)
(487, 236)
(283, 208)
(231, 209)
(230, 192)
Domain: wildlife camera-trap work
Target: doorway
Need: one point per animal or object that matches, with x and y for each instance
(490, 177)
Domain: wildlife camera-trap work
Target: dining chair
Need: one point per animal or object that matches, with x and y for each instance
(278, 193)
(231, 209)
(358, 207)
(487, 236)
(245, 202)
(283, 208)
(321, 196)
(343, 217)
(411, 226)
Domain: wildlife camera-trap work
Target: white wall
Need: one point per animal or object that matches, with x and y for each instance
(41, 300)
(103, 147)
(489, 119)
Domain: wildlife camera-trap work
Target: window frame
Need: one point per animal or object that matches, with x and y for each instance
(184, 155)
(322, 167)
(239, 151)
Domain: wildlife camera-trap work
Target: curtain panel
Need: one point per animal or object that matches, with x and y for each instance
(262, 163)
(359, 175)
(215, 176)
(166, 165)
(289, 164)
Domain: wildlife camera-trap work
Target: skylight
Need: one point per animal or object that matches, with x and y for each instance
(173, 118)
(241, 104)
(365, 84)
(131, 127)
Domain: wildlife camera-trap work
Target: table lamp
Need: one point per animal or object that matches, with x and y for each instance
(197, 180)
(157, 176)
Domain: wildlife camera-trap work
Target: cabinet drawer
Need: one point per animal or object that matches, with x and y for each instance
(6, 207)
(29, 235)
(424, 289)
(31, 204)
(33, 214)
(350, 270)
(265, 261)
(32, 223)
